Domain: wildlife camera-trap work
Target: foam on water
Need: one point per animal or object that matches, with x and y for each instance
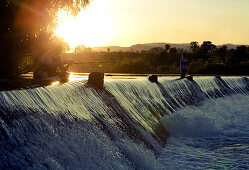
(73, 126)
(214, 135)
(70, 127)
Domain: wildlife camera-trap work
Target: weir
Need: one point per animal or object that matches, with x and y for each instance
(71, 125)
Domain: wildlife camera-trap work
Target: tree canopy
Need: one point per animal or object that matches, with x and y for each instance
(36, 15)
(22, 22)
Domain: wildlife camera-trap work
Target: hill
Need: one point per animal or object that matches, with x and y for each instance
(139, 47)
(147, 46)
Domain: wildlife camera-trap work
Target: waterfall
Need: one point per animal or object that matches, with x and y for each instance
(73, 126)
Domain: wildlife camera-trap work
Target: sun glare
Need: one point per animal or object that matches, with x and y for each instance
(55, 83)
(91, 27)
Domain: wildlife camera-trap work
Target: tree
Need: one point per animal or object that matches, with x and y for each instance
(167, 47)
(173, 50)
(206, 50)
(207, 47)
(154, 54)
(194, 46)
(221, 53)
(241, 54)
(155, 50)
(80, 49)
(23, 22)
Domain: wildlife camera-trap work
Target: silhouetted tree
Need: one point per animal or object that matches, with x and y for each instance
(154, 54)
(21, 21)
(207, 47)
(206, 50)
(194, 46)
(155, 50)
(220, 61)
(241, 54)
(221, 53)
(172, 50)
(167, 47)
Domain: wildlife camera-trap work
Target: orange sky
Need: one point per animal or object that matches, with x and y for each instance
(128, 22)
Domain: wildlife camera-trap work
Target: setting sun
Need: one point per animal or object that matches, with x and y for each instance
(91, 27)
(126, 23)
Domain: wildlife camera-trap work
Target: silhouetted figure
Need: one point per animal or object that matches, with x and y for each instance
(50, 64)
(183, 66)
(46, 67)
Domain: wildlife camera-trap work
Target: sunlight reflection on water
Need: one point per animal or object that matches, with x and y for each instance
(78, 76)
(112, 76)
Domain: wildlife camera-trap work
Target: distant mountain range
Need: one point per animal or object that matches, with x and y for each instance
(148, 46)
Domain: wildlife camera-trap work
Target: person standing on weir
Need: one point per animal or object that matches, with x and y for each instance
(183, 66)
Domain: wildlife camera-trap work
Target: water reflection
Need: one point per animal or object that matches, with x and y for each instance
(78, 76)
(55, 83)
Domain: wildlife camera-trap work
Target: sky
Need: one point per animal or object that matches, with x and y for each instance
(129, 22)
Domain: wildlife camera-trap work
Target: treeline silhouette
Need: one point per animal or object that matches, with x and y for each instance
(202, 59)
(25, 36)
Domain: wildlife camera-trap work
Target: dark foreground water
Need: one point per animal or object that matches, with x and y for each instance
(72, 126)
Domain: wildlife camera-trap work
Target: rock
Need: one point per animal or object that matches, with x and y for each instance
(190, 78)
(153, 79)
(218, 77)
(96, 80)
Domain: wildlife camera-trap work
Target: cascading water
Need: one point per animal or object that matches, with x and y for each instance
(72, 126)
(214, 135)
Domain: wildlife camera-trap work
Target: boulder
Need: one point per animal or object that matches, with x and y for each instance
(96, 80)
(218, 77)
(153, 78)
(190, 78)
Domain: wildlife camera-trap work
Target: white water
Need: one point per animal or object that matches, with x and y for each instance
(214, 135)
(72, 126)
